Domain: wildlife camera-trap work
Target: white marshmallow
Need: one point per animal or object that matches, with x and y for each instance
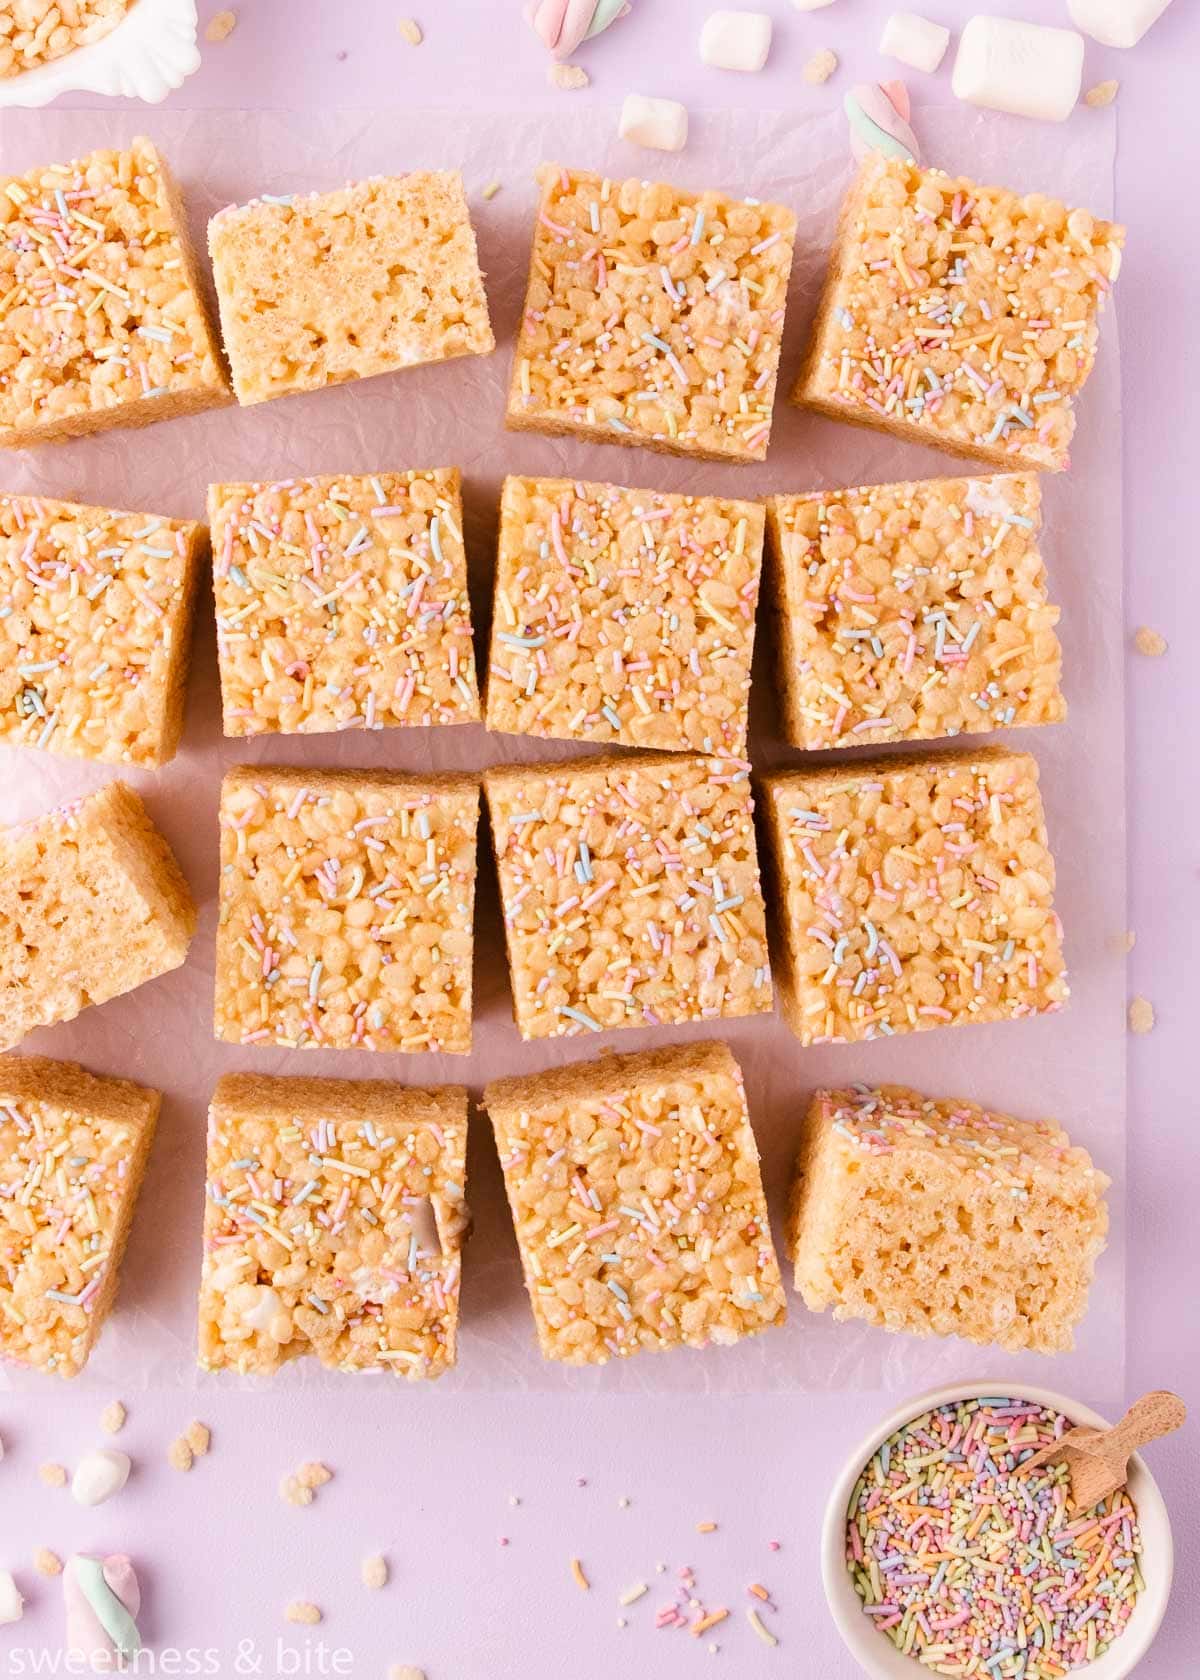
(1024, 68)
(1116, 23)
(735, 40)
(811, 5)
(11, 1603)
(659, 123)
(914, 41)
(262, 1312)
(99, 1475)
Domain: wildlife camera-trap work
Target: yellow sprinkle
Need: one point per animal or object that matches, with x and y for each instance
(706, 1528)
(764, 1633)
(709, 1621)
(490, 191)
(577, 1575)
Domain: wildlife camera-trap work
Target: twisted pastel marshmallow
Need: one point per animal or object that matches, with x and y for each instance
(878, 113)
(102, 1599)
(563, 24)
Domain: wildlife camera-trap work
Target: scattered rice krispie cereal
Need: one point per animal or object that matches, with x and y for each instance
(73, 1149)
(374, 1572)
(1141, 1015)
(342, 603)
(942, 1219)
(198, 1437)
(101, 315)
(653, 316)
(52, 1475)
(333, 1226)
(960, 315)
(405, 1671)
(568, 78)
(92, 904)
(1150, 642)
(180, 1455)
(346, 909)
(624, 616)
(913, 893)
(820, 66)
(630, 892)
(910, 611)
(95, 628)
(411, 31)
(47, 1562)
(220, 26)
(317, 290)
(112, 1418)
(293, 1492)
(313, 1474)
(1102, 94)
(303, 1612)
(635, 1191)
(34, 32)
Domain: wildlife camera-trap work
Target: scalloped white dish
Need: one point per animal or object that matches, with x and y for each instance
(150, 52)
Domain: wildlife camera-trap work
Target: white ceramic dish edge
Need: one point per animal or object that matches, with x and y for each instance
(150, 52)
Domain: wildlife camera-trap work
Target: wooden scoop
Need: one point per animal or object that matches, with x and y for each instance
(1098, 1459)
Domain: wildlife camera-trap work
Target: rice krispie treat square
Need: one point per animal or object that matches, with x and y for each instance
(960, 315)
(630, 892)
(102, 321)
(653, 316)
(73, 1150)
(624, 616)
(95, 628)
(910, 611)
(319, 289)
(333, 1225)
(638, 1204)
(942, 1219)
(346, 909)
(92, 904)
(342, 603)
(913, 893)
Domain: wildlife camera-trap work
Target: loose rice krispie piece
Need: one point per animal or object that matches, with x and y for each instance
(333, 1225)
(35, 32)
(942, 1219)
(73, 1149)
(653, 316)
(910, 611)
(92, 904)
(630, 892)
(624, 616)
(960, 315)
(342, 603)
(913, 892)
(316, 290)
(346, 909)
(95, 628)
(639, 1208)
(101, 315)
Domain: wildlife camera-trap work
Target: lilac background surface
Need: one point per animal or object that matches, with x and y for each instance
(426, 1476)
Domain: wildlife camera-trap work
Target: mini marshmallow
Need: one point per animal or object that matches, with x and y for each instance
(1027, 69)
(99, 1475)
(12, 1605)
(811, 5)
(735, 40)
(914, 41)
(659, 123)
(1116, 23)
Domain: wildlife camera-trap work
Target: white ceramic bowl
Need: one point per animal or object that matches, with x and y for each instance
(149, 53)
(878, 1657)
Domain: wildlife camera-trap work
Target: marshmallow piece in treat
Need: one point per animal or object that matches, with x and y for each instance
(878, 114)
(99, 1475)
(914, 41)
(12, 1605)
(1116, 23)
(735, 40)
(102, 1599)
(1027, 69)
(659, 123)
(563, 25)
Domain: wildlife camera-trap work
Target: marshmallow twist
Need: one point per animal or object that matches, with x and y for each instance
(878, 113)
(102, 1599)
(562, 24)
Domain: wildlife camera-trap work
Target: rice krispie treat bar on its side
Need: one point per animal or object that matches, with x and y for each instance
(317, 290)
(913, 892)
(960, 315)
(95, 628)
(653, 316)
(342, 603)
(346, 909)
(624, 616)
(910, 611)
(92, 904)
(630, 892)
(635, 1191)
(942, 1219)
(333, 1225)
(73, 1150)
(101, 317)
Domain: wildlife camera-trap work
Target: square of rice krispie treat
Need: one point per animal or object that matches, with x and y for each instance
(960, 315)
(638, 1204)
(318, 289)
(911, 611)
(102, 319)
(333, 1225)
(342, 603)
(346, 909)
(92, 904)
(942, 1219)
(913, 892)
(95, 628)
(653, 316)
(624, 616)
(73, 1150)
(630, 892)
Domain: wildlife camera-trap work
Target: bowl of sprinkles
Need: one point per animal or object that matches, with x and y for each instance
(938, 1553)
